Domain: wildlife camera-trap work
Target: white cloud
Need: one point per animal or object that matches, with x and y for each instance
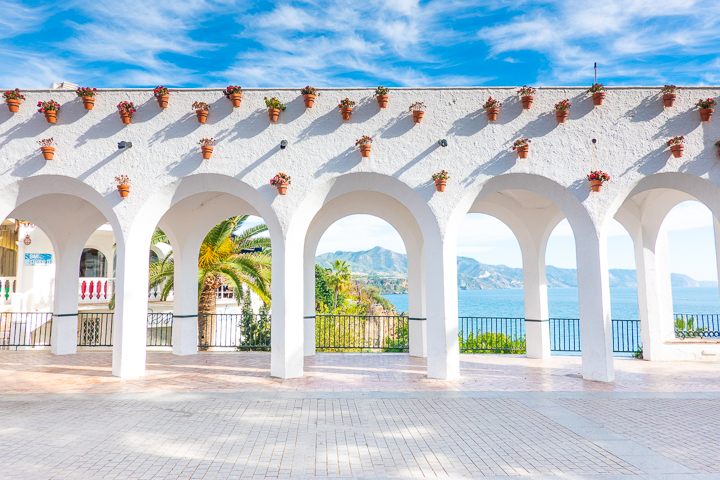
(687, 216)
(360, 232)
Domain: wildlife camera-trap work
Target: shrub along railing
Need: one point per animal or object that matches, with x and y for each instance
(31, 329)
(360, 333)
(242, 331)
(697, 326)
(491, 334)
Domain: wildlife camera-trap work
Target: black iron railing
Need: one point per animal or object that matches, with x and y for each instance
(697, 326)
(237, 330)
(626, 336)
(491, 334)
(564, 334)
(95, 329)
(31, 329)
(159, 329)
(359, 333)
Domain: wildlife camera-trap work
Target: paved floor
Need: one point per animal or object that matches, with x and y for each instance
(220, 415)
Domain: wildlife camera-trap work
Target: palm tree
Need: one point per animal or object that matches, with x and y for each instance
(225, 259)
(339, 278)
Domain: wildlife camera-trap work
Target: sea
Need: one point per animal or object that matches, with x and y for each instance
(563, 302)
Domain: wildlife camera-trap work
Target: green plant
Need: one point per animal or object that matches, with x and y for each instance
(161, 91)
(492, 103)
(564, 105)
(595, 88)
(638, 353)
(676, 141)
(49, 106)
(381, 91)
(232, 90)
(523, 142)
(491, 342)
(346, 103)
(280, 178)
(126, 107)
(201, 106)
(13, 95)
(339, 278)
(86, 92)
(707, 103)
(670, 89)
(598, 175)
(417, 106)
(442, 175)
(308, 90)
(364, 140)
(526, 91)
(273, 102)
(399, 341)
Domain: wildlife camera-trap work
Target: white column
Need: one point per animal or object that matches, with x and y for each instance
(185, 303)
(537, 325)
(443, 349)
(594, 297)
(309, 300)
(286, 357)
(130, 320)
(716, 226)
(417, 327)
(65, 303)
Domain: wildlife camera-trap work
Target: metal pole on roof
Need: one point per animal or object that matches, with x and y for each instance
(595, 72)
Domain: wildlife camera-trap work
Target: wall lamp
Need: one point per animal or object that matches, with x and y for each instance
(283, 145)
(122, 145)
(442, 143)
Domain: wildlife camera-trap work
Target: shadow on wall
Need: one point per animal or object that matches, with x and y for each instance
(28, 165)
(545, 123)
(99, 165)
(582, 105)
(580, 188)
(397, 127)
(31, 128)
(707, 160)
(188, 163)
(679, 125)
(324, 125)
(182, 128)
(470, 124)
(257, 162)
(147, 111)
(417, 159)
(105, 128)
(342, 163)
(648, 109)
(651, 162)
(249, 127)
(503, 161)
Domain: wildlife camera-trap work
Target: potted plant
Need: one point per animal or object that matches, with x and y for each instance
(441, 180)
(13, 99)
(126, 109)
(87, 95)
(201, 110)
(522, 146)
(162, 94)
(707, 107)
(418, 110)
(50, 109)
(207, 146)
(46, 147)
(677, 146)
(492, 107)
(596, 179)
(598, 93)
(308, 94)
(274, 106)
(364, 143)
(527, 95)
(123, 185)
(669, 95)
(562, 110)
(281, 182)
(381, 93)
(346, 107)
(234, 94)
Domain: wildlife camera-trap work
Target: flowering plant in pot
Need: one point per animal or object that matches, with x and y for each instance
(162, 94)
(88, 96)
(234, 94)
(596, 179)
(364, 143)
(441, 179)
(492, 107)
(522, 146)
(598, 93)
(13, 99)
(281, 182)
(50, 109)
(562, 110)
(346, 107)
(669, 95)
(381, 93)
(206, 146)
(677, 146)
(527, 95)
(46, 147)
(418, 110)
(309, 93)
(201, 110)
(123, 185)
(707, 107)
(126, 109)
(274, 106)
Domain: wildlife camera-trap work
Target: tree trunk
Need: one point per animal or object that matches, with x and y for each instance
(206, 323)
(335, 300)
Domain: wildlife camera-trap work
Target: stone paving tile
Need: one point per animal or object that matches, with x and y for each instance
(685, 430)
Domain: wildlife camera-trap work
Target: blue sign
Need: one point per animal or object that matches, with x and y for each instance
(32, 259)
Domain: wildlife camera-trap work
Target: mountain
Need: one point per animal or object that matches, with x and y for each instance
(473, 275)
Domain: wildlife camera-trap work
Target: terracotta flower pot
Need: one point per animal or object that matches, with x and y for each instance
(706, 114)
(440, 185)
(492, 113)
(309, 100)
(561, 115)
(201, 115)
(125, 117)
(88, 102)
(282, 188)
(382, 100)
(527, 101)
(523, 151)
(677, 150)
(235, 98)
(124, 190)
(274, 113)
(13, 104)
(596, 185)
(206, 152)
(346, 112)
(418, 116)
(598, 98)
(163, 100)
(51, 116)
(48, 152)
(365, 150)
(669, 99)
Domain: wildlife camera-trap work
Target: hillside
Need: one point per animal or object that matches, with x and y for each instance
(473, 275)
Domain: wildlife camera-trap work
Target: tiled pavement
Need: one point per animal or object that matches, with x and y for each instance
(220, 415)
